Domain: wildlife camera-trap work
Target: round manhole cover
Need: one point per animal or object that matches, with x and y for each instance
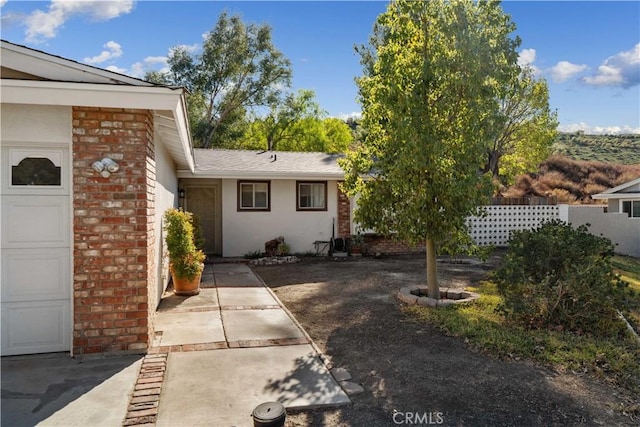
(269, 414)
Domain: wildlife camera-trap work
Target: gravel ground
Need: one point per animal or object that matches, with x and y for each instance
(413, 374)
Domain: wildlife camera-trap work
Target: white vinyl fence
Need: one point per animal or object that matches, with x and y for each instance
(496, 226)
(623, 231)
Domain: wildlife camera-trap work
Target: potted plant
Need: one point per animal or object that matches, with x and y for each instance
(186, 262)
(357, 244)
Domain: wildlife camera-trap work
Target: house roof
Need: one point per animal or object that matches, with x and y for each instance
(627, 190)
(241, 164)
(27, 64)
(30, 76)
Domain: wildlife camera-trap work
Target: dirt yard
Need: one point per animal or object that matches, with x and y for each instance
(413, 374)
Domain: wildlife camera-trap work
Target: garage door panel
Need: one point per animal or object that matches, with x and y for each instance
(35, 327)
(35, 274)
(35, 243)
(31, 222)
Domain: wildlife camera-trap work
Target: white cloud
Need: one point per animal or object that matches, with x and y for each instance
(560, 72)
(113, 50)
(189, 48)
(2, 2)
(116, 69)
(154, 60)
(44, 25)
(599, 130)
(351, 115)
(150, 63)
(564, 70)
(621, 69)
(526, 58)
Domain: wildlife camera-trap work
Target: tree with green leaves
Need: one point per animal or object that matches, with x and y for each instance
(433, 75)
(279, 125)
(237, 70)
(337, 136)
(525, 130)
(328, 135)
(296, 124)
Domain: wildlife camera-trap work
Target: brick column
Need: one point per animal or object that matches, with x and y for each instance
(114, 271)
(344, 214)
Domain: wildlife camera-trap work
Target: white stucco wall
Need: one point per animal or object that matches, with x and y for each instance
(36, 123)
(166, 197)
(245, 231)
(623, 231)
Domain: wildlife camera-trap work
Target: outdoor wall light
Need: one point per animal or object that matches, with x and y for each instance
(181, 193)
(105, 167)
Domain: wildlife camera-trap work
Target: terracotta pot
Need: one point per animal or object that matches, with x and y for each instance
(186, 287)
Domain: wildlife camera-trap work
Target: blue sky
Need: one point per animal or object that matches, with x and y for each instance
(589, 52)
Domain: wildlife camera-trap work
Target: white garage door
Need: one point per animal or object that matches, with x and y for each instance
(35, 236)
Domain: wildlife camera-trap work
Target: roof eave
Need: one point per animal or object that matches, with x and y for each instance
(616, 196)
(266, 175)
(23, 58)
(155, 98)
(622, 186)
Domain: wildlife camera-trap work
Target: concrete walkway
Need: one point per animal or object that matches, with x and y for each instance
(229, 349)
(215, 357)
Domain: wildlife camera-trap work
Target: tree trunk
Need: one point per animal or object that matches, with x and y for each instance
(493, 164)
(432, 271)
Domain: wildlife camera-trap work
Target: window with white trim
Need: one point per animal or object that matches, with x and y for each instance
(311, 195)
(36, 168)
(631, 208)
(254, 195)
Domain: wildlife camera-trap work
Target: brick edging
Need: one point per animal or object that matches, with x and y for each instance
(145, 399)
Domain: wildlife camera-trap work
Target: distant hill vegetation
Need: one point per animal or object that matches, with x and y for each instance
(581, 166)
(574, 181)
(621, 149)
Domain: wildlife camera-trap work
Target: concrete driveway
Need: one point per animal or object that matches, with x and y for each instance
(215, 357)
(54, 389)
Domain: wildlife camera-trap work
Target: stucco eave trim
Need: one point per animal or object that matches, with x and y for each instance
(88, 94)
(604, 196)
(618, 189)
(107, 96)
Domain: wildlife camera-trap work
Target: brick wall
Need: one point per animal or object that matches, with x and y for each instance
(344, 214)
(376, 244)
(114, 271)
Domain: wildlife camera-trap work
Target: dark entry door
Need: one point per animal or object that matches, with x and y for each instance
(201, 201)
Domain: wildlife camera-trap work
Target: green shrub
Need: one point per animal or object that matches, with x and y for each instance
(254, 254)
(283, 249)
(198, 232)
(186, 260)
(559, 276)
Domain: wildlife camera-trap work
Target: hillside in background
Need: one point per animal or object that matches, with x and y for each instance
(573, 181)
(621, 149)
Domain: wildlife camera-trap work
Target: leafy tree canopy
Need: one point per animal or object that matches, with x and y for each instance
(525, 129)
(433, 74)
(237, 70)
(296, 124)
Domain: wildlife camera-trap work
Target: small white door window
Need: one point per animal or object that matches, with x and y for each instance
(36, 168)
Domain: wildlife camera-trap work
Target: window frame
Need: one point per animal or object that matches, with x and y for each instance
(634, 209)
(253, 209)
(312, 209)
